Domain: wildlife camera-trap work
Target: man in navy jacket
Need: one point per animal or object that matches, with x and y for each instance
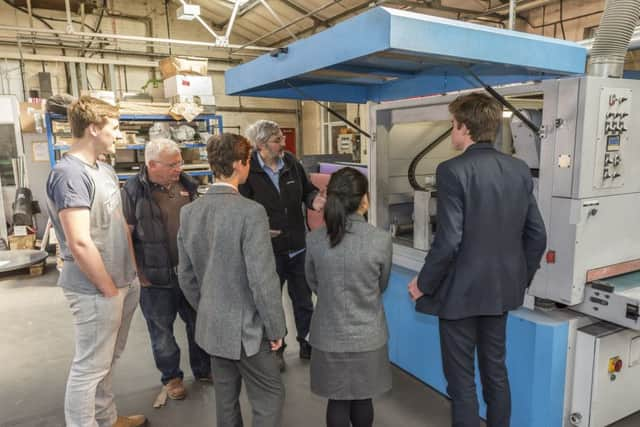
(487, 248)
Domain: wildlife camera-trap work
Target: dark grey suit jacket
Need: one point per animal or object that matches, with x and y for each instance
(228, 274)
(349, 280)
(489, 239)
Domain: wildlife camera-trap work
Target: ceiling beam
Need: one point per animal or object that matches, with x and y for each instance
(246, 33)
(431, 4)
(104, 61)
(292, 5)
(522, 6)
(243, 10)
(329, 21)
(435, 4)
(285, 26)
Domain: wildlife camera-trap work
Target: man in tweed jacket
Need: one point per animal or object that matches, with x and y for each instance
(227, 273)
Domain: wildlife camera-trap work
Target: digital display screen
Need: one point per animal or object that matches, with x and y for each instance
(613, 143)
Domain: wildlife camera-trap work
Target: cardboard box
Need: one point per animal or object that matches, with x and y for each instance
(188, 86)
(31, 117)
(196, 99)
(61, 127)
(193, 155)
(156, 93)
(144, 108)
(186, 65)
(22, 242)
(20, 230)
(105, 95)
(37, 269)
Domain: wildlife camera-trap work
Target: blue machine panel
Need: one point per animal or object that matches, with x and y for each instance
(389, 54)
(536, 355)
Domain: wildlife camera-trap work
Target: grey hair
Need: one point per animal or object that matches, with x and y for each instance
(159, 145)
(260, 132)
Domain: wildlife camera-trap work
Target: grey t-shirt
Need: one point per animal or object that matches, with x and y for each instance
(73, 183)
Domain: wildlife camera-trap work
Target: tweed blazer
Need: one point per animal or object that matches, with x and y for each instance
(227, 272)
(349, 280)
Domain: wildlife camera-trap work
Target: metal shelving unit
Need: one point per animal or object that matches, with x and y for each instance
(213, 123)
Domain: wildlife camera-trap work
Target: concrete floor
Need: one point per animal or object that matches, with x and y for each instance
(37, 337)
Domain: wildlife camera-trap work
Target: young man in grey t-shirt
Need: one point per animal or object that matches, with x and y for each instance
(99, 275)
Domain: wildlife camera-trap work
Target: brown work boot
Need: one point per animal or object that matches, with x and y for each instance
(131, 421)
(175, 389)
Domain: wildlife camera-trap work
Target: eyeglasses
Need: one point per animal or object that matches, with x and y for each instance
(174, 165)
(276, 139)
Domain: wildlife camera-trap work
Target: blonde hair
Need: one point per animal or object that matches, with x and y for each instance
(87, 111)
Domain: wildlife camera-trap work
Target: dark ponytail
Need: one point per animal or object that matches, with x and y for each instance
(344, 193)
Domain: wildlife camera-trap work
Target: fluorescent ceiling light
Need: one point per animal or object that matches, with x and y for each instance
(188, 12)
(242, 4)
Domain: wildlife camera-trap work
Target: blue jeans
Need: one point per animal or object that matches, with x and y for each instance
(160, 305)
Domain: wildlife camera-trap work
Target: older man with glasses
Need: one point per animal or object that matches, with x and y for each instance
(151, 202)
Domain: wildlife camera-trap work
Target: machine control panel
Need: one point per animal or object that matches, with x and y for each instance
(612, 137)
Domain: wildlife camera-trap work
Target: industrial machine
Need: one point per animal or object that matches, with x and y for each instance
(589, 191)
(11, 148)
(574, 353)
(587, 199)
(588, 185)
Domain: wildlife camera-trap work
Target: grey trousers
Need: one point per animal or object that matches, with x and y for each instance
(261, 375)
(101, 330)
(459, 340)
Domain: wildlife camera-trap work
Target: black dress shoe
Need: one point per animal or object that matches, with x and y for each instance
(305, 350)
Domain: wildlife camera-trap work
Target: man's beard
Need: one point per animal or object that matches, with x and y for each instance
(277, 154)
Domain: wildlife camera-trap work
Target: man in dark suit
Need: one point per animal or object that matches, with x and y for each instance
(487, 248)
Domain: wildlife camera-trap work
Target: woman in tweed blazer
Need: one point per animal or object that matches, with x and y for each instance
(347, 266)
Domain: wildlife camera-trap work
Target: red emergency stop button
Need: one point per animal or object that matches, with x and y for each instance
(618, 365)
(615, 364)
(551, 257)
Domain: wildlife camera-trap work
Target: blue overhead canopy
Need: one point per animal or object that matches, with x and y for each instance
(386, 54)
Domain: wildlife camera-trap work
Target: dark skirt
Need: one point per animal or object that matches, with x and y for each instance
(350, 376)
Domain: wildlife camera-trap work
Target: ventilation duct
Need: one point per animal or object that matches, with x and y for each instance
(612, 40)
(89, 5)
